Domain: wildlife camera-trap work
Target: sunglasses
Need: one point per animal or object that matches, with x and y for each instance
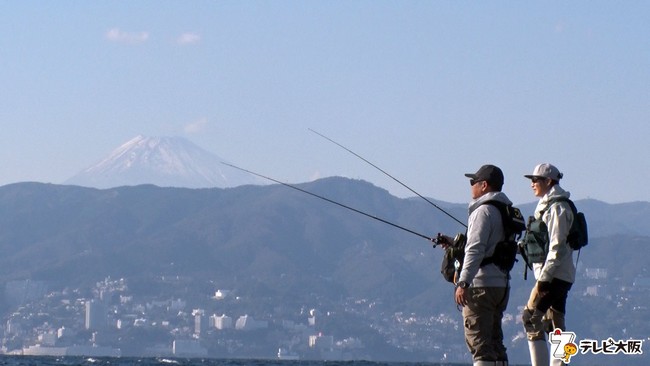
(474, 181)
(537, 179)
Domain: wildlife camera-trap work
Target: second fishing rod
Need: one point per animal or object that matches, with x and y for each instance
(389, 175)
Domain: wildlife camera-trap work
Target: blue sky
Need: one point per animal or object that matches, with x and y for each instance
(427, 90)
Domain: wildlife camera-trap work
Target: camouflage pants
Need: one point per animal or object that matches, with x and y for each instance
(482, 322)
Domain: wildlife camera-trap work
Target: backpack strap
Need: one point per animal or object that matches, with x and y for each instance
(502, 207)
(554, 200)
(574, 209)
(504, 217)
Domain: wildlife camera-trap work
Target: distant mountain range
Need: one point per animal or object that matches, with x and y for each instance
(57, 232)
(277, 246)
(162, 161)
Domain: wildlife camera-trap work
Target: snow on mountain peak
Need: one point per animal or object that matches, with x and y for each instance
(163, 161)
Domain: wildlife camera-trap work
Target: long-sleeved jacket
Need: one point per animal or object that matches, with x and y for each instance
(484, 231)
(558, 218)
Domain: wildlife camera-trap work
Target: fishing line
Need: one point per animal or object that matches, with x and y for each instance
(435, 241)
(383, 171)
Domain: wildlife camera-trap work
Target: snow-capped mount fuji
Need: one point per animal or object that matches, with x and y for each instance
(162, 161)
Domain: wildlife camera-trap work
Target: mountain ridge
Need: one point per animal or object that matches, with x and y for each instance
(70, 223)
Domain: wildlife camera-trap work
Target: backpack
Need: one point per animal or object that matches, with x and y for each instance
(578, 233)
(505, 252)
(452, 260)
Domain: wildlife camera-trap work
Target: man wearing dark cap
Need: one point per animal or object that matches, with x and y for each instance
(555, 271)
(483, 290)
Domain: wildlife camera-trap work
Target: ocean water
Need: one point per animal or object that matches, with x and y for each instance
(126, 361)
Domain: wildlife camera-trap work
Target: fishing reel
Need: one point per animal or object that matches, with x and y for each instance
(446, 241)
(441, 239)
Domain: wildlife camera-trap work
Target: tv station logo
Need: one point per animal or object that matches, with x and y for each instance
(564, 346)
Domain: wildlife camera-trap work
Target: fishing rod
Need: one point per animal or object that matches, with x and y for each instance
(383, 171)
(435, 241)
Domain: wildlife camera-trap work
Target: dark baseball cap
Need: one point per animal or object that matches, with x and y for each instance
(489, 173)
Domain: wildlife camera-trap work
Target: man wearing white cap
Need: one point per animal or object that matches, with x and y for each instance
(555, 273)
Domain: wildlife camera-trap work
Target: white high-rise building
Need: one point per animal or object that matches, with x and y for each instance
(246, 322)
(221, 322)
(96, 318)
(200, 322)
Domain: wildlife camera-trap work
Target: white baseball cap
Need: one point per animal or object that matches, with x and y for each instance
(546, 170)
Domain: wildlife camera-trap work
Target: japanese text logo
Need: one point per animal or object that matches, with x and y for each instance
(564, 346)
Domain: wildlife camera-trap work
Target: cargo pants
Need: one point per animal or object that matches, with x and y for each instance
(482, 322)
